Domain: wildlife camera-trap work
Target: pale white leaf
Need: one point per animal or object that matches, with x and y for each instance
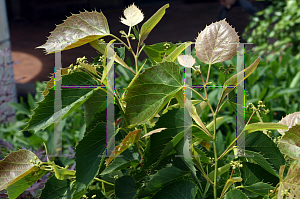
(133, 16)
(186, 61)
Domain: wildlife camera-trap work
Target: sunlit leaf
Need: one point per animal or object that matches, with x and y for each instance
(151, 23)
(291, 182)
(77, 30)
(151, 91)
(213, 44)
(128, 141)
(263, 126)
(133, 16)
(289, 120)
(289, 144)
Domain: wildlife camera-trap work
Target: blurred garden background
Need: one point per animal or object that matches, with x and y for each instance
(274, 33)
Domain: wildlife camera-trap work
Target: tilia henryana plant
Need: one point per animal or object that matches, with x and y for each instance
(149, 123)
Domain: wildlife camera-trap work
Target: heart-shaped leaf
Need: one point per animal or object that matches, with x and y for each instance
(213, 44)
(151, 91)
(289, 144)
(289, 120)
(77, 30)
(133, 16)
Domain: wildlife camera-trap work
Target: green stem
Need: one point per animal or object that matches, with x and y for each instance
(216, 156)
(100, 180)
(117, 38)
(208, 73)
(205, 89)
(230, 147)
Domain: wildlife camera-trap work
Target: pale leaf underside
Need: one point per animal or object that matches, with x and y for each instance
(15, 166)
(290, 183)
(289, 120)
(133, 16)
(215, 43)
(77, 30)
(186, 60)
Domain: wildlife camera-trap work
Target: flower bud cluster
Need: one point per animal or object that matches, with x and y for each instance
(227, 70)
(167, 45)
(236, 164)
(260, 107)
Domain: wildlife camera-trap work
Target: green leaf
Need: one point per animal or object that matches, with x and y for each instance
(289, 144)
(170, 146)
(259, 159)
(291, 182)
(159, 51)
(232, 81)
(72, 98)
(259, 188)
(295, 80)
(200, 107)
(125, 187)
(235, 194)
(95, 104)
(173, 56)
(88, 157)
(77, 30)
(119, 164)
(55, 189)
(162, 143)
(151, 23)
(24, 183)
(128, 141)
(101, 48)
(151, 91)
(263, 126)
(185, 154)
(211, 125)
(160, 179)
(253, 173)
(213, 43)
(193, 113)
(181, 189)
(221, 170)
(230, 182)
(15, 166)
(261, 143)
